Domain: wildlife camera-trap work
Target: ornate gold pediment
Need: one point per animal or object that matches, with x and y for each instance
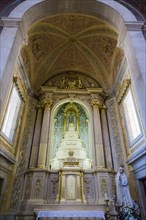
(72, 80)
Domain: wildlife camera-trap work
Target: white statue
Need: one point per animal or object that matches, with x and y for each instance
(122, 186)
(71, 119)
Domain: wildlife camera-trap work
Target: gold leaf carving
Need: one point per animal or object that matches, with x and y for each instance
(72, 80)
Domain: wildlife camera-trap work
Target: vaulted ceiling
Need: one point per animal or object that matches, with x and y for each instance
(72, 42)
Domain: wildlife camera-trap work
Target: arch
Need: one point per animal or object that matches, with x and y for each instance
(28, 12)
(88, 112)
(114, 14)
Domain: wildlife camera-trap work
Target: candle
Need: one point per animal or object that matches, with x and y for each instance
(105, 195)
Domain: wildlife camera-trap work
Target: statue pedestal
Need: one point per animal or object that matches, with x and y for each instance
(71, 186)
(71, 141)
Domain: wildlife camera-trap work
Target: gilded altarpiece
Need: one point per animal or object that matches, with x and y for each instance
(84, 168)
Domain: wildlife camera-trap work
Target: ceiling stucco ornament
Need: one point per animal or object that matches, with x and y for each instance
(72, 80)
(72, 42)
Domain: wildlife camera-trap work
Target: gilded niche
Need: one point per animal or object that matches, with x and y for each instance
(70, 113)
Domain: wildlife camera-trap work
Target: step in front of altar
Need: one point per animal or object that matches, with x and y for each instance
(69, 215)
(75, 218)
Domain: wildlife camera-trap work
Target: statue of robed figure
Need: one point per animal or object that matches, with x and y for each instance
(128, 209)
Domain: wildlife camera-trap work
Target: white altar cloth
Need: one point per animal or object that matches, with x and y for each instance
(70, 214)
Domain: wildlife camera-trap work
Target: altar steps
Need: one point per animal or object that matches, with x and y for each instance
(72, 218)
(77, 212)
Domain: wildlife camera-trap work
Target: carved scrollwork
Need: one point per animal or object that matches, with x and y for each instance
(28, 187)
(46, 103)
(19, 179)
(20, 86)
(97, 104)
(54, 182)
(37, 188)
(122, 89)
(116, 131)
(72, 81)
(103, 187)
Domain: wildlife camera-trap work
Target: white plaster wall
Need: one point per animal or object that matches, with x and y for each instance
(7, 33)
(19, 11)
(124, 12)
(135, 50)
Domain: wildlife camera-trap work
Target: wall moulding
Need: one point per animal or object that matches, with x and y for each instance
(20, 86)
(115, 133)
(122, 89)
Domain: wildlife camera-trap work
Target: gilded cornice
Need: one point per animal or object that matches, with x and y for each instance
(122, 89)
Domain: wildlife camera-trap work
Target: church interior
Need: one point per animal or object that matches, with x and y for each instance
(73, 110)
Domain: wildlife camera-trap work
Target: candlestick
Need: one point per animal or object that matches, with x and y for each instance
(105, 196)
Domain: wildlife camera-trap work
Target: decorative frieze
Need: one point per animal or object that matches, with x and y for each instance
(71, 81)
(103, 187)
(54, 181)
(28, 186)
(37, 188)
(115, 132)
(19, 179)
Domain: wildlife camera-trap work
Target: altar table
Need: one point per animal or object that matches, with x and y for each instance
(71, 214)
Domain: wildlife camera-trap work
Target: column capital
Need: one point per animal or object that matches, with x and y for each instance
(96, 104)
(46, 103)
(103, 108)
(39, 107)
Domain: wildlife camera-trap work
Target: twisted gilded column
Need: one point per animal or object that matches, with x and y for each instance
(36, 138)
(44, 134)
(100, 162)
(106, 140)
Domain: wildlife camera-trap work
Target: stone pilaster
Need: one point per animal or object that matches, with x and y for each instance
(106, 140)
(44, 134)
(36, 138)
(100, 162)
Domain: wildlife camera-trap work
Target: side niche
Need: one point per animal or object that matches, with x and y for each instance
(72, 80)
